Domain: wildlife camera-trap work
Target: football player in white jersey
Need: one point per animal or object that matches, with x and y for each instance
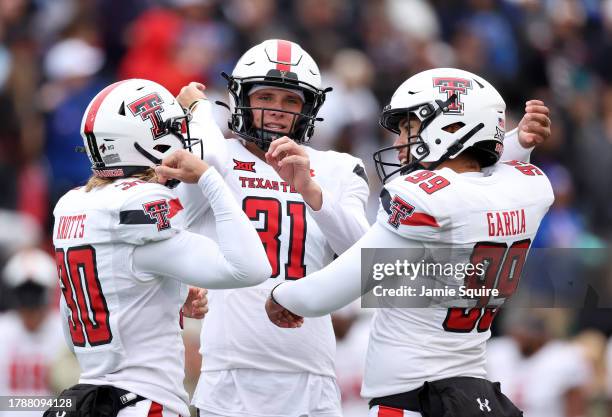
(450, 192)
(306, 208)
(30, 342)
(123, 256)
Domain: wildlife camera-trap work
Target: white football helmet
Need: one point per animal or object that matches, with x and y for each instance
(439, 98)
(275, 63)
(30, 275)
(132, 125)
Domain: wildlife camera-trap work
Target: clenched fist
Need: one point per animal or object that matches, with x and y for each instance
(534, 127)
(282, 317)
(196, 305)
(190, 94)
(181, 165)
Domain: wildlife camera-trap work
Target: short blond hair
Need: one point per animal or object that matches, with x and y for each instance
(98, 182)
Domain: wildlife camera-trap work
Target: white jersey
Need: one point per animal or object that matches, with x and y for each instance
(537, 384)
(429, 210)
(25, 357)
(124, 326)
(504, 205)
(236, 332)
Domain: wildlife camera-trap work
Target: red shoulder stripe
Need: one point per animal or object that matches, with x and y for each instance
(420, 219)
(175, 207)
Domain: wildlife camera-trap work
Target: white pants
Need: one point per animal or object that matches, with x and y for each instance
(256, 393)
(378, 411)
(146, 408)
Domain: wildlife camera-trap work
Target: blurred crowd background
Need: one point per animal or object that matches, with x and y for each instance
(55, 55)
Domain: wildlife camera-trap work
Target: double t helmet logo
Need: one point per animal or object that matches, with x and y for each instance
(150, 107)
(450, 86)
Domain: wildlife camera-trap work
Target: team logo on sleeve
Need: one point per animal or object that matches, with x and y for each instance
(450, 86)
(244, 166)
(158, 211)
(400, 210)
(149, 107)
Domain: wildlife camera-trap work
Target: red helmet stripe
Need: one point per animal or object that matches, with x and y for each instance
(95, 106)
(283, 54)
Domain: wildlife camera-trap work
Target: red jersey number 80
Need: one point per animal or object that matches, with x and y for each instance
(83, 294)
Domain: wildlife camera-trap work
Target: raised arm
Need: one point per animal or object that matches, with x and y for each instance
(533, 129)
(195, 259)
(203, 126)
(213, 146)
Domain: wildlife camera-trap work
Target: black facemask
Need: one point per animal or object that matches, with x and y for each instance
(390, 120)
(302, 123)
